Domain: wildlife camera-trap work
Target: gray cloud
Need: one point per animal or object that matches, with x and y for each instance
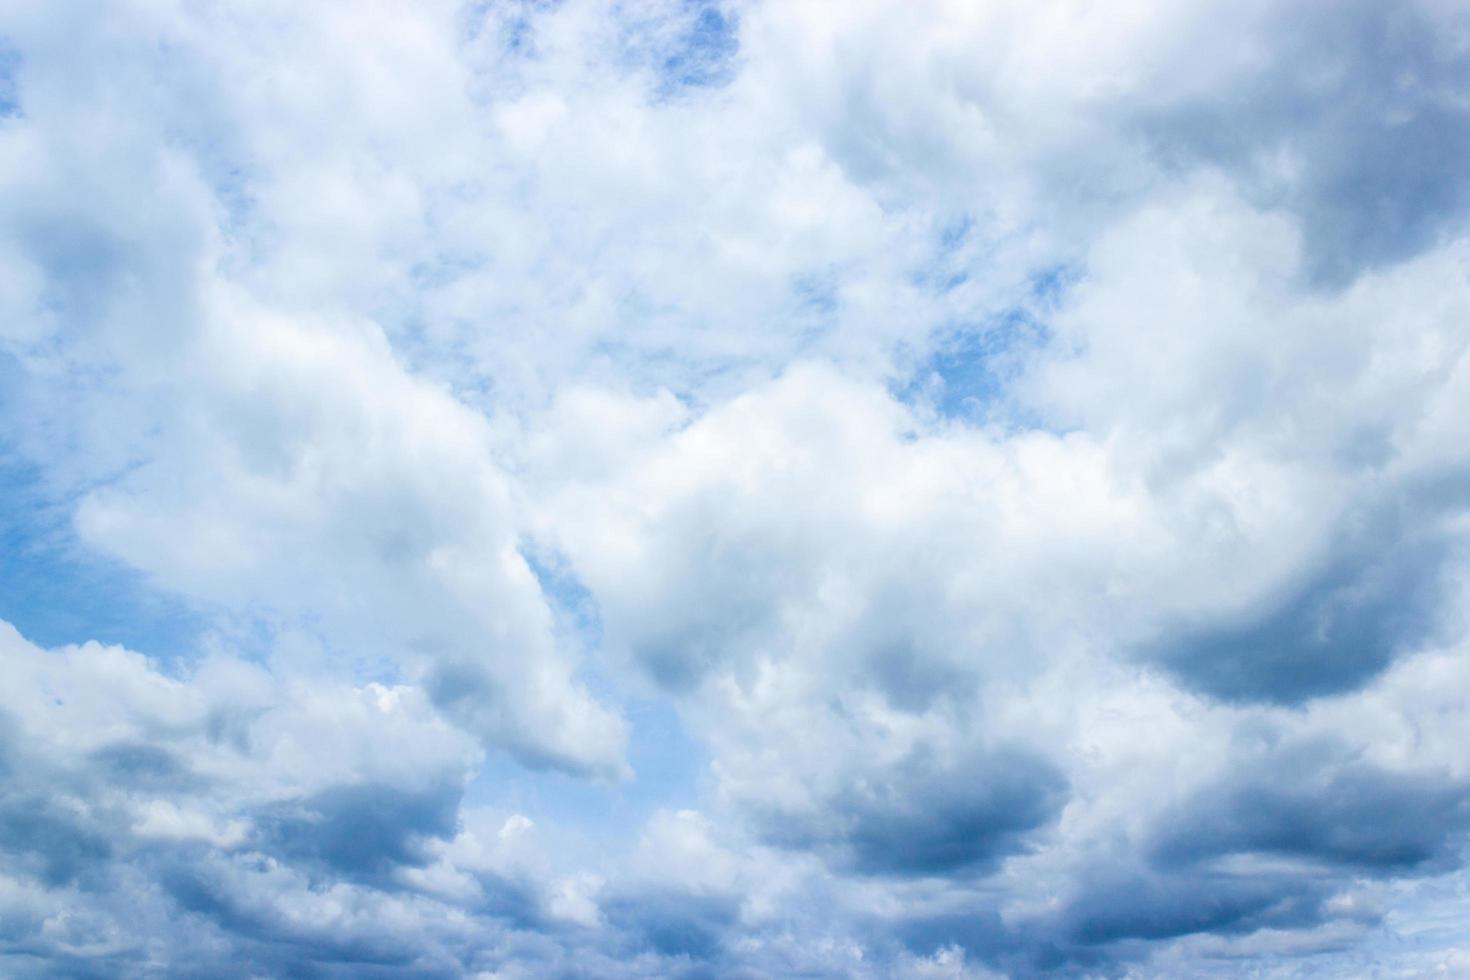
(1313, 803)
(1151, 907)
(1356, 122)
(1329, 634)
(362, 831)
(675, 924)
(925, 815)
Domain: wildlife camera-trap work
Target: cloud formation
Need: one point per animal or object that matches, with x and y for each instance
(734, 489)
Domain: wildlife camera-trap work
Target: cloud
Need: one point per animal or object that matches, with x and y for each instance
(129, 805)
(1337, 630)
(1338, 812)
(1352, 124)
(1164, 909)
(733, 490)
(361, 830)
(929, 817)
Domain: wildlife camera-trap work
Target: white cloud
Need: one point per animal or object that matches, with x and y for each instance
(1021, 441)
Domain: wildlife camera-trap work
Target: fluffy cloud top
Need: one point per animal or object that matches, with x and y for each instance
(734, 489)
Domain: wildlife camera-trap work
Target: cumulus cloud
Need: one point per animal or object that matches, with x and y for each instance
(712, 489)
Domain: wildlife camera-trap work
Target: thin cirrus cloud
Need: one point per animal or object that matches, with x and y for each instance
(734, 489)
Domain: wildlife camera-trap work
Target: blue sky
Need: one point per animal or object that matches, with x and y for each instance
(734, 489)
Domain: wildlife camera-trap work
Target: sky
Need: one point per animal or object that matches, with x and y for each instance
(700, 489)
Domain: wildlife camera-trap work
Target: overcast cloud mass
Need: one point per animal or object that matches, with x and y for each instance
(684, 488)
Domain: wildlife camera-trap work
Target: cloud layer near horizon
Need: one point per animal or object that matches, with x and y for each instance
(755, 489)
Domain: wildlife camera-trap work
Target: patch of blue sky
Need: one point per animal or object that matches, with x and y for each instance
(667, 762)
(1050, 285)
(56, 590)
(575, 609)
(668, 765)
(964, 378)
(703, 52)
(965, 374)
